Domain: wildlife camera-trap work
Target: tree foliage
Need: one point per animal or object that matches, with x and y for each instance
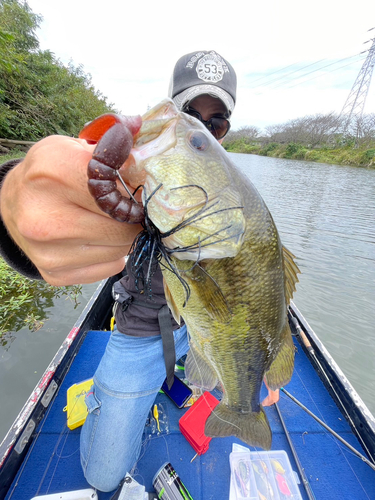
(25, 302)
(39, 96)
(310, 131)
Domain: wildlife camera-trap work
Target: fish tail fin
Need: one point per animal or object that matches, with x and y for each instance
(252, 428)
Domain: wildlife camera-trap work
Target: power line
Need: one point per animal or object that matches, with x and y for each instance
(291, 73)
(319, 76)
(273, 73)
(282, 84)
(305, 74)
(327, 66)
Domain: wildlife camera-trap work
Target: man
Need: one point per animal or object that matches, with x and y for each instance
(52, 229)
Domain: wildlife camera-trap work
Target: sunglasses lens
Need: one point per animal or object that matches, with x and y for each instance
(195, 114)
(218, 127)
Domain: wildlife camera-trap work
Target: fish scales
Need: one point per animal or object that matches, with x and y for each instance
(223, 244)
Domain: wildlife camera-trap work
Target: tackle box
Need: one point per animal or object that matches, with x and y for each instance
(87, 494)
(76, 408)
(265, 475)
(193, 422)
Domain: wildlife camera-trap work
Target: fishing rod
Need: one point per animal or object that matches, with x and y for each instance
(351, 448)
(311, 351)
(301, 470)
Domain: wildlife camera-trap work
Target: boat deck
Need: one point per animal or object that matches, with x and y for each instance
(52, 464)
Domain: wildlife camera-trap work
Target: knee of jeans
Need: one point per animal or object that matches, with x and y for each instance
(104, 484)
(88, 430)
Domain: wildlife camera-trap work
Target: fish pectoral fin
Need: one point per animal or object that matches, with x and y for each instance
(198, 371)
(281, 369)
(291, 270)
(208, 293)
(171, 303)
(252, 428)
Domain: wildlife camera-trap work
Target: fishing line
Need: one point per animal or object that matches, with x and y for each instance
(65, 431)
(32, 446)
(311, 351)
(57, 462)
(331, 436)
(126, 187)
(331, 431)
(301, 470)
(200, 373)
(145, 445)
(152, 236)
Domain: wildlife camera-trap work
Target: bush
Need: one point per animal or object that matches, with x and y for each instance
(313, 155)
(269, 148)
(370, 154)
(292, 148)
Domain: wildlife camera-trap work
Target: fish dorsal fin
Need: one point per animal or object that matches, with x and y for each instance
(198, 371)
(171, 303)
(209, 293)
(291, 270)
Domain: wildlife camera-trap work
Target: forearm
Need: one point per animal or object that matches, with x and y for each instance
(9, 251)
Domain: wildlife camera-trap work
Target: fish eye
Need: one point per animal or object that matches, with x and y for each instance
(199, 141)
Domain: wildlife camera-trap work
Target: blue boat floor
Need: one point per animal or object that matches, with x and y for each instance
(52, 464)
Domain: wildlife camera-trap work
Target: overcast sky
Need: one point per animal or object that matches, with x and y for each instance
(130, 49)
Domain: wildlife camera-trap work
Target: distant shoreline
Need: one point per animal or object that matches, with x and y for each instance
(349, 156)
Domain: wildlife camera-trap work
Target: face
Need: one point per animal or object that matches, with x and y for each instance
(208, 107)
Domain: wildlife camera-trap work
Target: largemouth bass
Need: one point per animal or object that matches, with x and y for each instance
(226, 272)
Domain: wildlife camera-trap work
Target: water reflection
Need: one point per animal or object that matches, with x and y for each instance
(325, 215)
(27, 302)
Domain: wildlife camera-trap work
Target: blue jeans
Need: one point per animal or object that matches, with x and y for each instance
(127, 380)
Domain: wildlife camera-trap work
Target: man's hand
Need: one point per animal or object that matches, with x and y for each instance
(50, 214)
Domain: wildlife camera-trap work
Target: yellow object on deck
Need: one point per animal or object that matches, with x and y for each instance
(156, 416)
(112, 324)
(76, 407)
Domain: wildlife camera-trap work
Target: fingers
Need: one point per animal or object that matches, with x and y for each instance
(50, 214)
(74, 245)
(83, 275)
(272, 398)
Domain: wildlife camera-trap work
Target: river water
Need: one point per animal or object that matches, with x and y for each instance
(326, 217)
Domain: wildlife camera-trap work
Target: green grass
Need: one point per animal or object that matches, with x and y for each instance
(14, 153)
(358, 157)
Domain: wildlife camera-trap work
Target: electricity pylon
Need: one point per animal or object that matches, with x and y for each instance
(355, 103)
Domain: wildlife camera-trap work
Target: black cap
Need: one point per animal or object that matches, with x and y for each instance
(203, 72)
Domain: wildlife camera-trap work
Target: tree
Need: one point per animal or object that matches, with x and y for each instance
(309, 131)
(39, 96)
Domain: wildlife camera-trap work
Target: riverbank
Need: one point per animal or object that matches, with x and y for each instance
(356, 157)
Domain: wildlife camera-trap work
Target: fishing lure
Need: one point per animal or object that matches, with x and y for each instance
(283, 485)
(277, 467)
(114, 137)
(263, 484)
